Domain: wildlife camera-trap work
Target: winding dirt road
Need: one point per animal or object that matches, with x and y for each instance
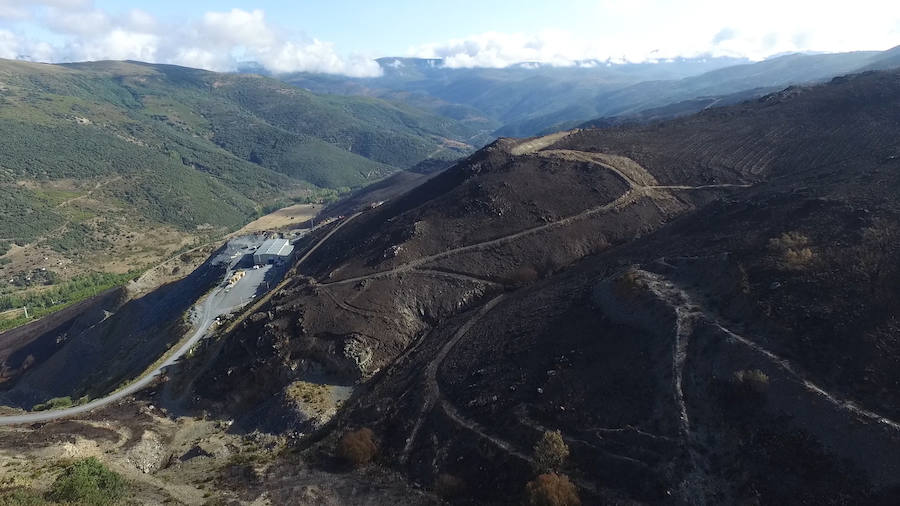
(219, 301)
(207, 311)
(432, 391)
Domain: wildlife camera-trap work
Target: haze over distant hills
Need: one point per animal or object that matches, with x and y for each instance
(530, 98)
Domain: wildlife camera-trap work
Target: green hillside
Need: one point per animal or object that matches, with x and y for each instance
(108, 166)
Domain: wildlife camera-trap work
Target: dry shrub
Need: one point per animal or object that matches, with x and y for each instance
(789, 240)
(792, 251)
(550, 452)
(358, 447)
(797, 259)
(449, 487)
(629, 284)
(551, 489)
(754, 379)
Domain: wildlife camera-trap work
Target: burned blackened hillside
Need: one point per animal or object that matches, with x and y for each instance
(705, 308)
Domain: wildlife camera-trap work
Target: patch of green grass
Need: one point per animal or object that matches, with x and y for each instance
(61, 296)
(21, 497)
(53, 196)
(88, 482)
(54, 403)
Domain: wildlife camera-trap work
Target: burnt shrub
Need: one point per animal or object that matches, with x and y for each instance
(449, 487)
(522, 276)
(358, 447)
(551, 489)
(792, 251)
(629, 285)
(754, 380)
(550, 452)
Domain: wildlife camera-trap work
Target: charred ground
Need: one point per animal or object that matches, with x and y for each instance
(619, 285)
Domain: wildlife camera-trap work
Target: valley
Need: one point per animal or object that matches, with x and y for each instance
(112, 167)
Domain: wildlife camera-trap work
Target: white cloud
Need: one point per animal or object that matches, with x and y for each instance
(248, 33)
(237, 27)
(495, 49)
(117, 44)
(600, 30)
(216, 41)
(20, 9)
(644, 30)
(9, 44)
(82, 22)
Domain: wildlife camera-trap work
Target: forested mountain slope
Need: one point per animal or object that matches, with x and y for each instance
(111, 165)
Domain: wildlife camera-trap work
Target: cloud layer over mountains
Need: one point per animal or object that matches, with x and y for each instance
(635, 31)
(649, 30)
(216, 41)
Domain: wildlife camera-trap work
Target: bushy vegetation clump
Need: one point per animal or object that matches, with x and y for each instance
(88, 482)
(792, 251)
(357, 448)
(551, 489)
(54, 403)
(753, 380)
(550, 452)
(629, 284)
(75, 289)
(21, 497)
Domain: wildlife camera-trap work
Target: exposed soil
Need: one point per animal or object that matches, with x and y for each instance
(287, 217)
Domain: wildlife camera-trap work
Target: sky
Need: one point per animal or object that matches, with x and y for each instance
(344, 36)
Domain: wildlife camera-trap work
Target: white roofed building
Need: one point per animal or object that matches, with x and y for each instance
(273, 251)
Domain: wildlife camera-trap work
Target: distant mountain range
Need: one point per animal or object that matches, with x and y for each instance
(530, 98)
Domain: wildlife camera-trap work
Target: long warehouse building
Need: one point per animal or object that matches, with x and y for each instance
(273, 251)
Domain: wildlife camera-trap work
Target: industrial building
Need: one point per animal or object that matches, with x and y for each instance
(273, 251)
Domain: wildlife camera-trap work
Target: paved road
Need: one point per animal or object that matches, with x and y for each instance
(219, 301)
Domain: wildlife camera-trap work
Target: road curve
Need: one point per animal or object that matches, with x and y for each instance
(208, 314)
(207, 311)
(43, 416)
